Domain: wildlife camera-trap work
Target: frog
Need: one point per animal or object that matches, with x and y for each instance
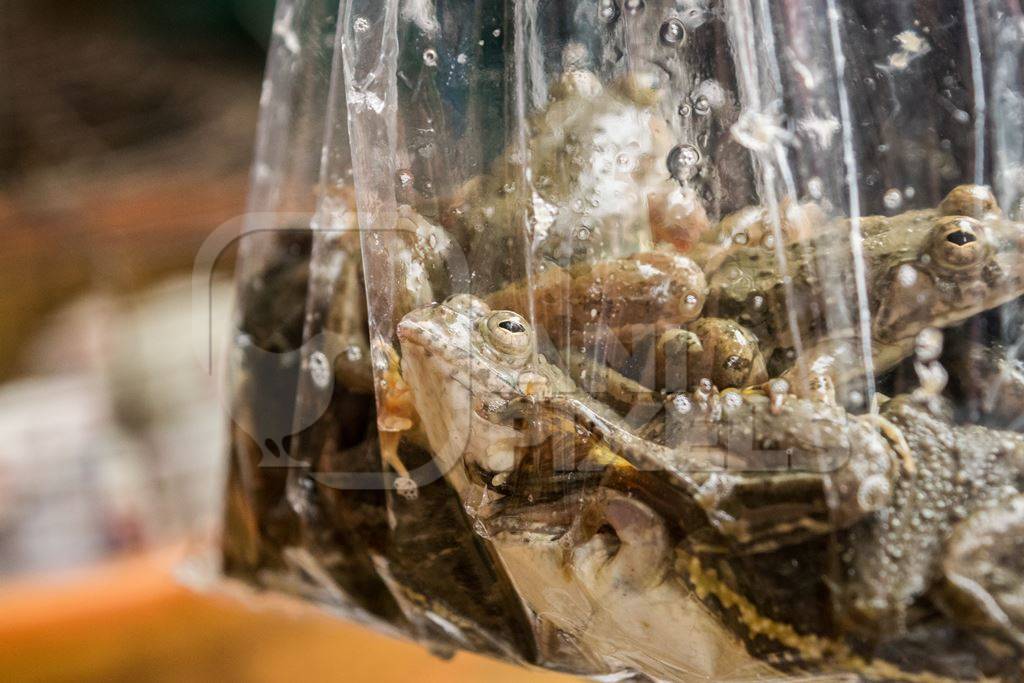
(640, 363)
(597, 184)
(949, 535)
(477, 379)
(761, 482)
(929, 268)
(570, 304)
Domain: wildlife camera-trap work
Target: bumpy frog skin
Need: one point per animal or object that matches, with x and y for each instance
(950, 531)
(928, 268)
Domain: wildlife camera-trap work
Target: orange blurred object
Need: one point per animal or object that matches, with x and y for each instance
(129, 620)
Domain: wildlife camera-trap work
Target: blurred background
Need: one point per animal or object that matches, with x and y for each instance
(126, 132)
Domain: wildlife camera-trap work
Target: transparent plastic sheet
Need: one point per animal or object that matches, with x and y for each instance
(724, 380)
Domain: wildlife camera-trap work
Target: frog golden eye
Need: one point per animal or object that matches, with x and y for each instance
(508, 332)
(958, 242)
(468, 304)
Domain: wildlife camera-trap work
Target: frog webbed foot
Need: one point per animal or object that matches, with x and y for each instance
(982, 568)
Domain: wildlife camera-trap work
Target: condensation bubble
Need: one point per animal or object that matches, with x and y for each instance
(893, 199)
(816, 188)
(928, 344)
(634, 6)
(608, 10)
(682, 162)
(702, 106)
(682, 405)
(430, 57)
(361, 24)
(672, 33)
(906, 275)
(320, 369)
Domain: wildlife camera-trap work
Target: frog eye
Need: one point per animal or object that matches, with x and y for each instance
(508, 332)
(958, 242)
(976, 201)
(468, 304)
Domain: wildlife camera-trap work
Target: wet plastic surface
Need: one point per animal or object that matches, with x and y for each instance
(664, 339)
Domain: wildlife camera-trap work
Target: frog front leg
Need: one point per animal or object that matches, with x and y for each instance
(983, 570)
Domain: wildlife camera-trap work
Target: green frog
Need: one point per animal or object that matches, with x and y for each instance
(930, 268)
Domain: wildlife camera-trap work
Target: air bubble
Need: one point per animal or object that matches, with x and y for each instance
(583, 234)
(672, 33)
(816, 188)
(893, 199)
(741, 238)
(496, 33)
(430, 57)
(702, 106)
(684, 109)
(682, 162)
(320, 369)
(608, 11)
(462, 58)
(354, 354)
(928, 345)
(361, 24)
(634, 6)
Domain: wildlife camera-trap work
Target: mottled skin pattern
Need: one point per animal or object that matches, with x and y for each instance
(942, 525)
(926, 268)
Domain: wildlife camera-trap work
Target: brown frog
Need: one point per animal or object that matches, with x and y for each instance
(927, 268)
(951, 531)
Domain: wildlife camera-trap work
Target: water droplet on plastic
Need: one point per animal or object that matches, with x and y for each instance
(320, 369)
(462, 58)
(361, 24)
(684, 109)
(430, 57)
(583, 234)
(893, 199)
(496, 32)
(816, 188)
(682, 162)
(909, 191)
(702, 106)
(928, 345)
(608, 11)
(906, 275)
(634, 6)
(672, 33)
(741, 238)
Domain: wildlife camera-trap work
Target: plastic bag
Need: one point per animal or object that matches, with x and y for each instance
(668, 339)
